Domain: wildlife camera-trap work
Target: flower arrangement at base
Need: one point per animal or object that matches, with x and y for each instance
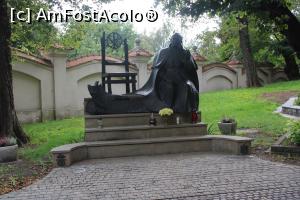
(166, 112)
(167, 116)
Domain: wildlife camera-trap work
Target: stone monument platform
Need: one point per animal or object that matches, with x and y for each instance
(126, 125)
(120, 135)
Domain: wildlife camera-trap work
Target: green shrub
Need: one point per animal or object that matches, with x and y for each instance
(294, 131)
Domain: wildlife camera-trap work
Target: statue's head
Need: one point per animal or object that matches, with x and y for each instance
(176, 40)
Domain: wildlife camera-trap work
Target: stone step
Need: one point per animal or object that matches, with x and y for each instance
(144, 131)
(133, 119)
(67, 154)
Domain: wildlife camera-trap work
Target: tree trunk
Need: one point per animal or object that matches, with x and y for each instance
(9, 124)
(248, 61)
(283, 16)
(291, 68)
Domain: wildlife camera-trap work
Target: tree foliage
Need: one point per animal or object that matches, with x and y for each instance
(263, 41)
(273, 27)
(29, 37)
(84, 38)
(34, 36)
(209, 45)
(276, 11)
(268, 44)
(40, 35)
(158, 39)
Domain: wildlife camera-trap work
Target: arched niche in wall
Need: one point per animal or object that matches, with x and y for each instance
(219, 82)
(218, 76)
(279, 76)
(27, 96)
(27, 91)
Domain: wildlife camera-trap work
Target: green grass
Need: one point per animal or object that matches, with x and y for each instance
(245, 105)
(47, 135)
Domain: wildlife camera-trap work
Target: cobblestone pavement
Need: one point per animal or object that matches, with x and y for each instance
(178, 176)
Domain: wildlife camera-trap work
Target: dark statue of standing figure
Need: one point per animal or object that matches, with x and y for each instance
(173, 83)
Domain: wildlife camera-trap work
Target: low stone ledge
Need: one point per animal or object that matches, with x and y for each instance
(67, 154)
(294, 111)
(289, 108)
(231, 144)
(285, 150)
(68, 147)
(228, 137)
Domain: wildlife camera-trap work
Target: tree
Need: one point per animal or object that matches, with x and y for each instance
(24, 37)
(188, 10)
(267, 43)
(277, 11)
(246, 49)
(34, 36)
(158, 39)
(207, 42)
(40, 35)
(85, 37)
(228, 34)
(291, 67)
(273, 46)
(9, 125)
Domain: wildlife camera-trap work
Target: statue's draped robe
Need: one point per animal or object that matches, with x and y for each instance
(174, 80)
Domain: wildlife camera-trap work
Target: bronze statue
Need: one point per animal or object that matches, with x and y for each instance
(173, 83)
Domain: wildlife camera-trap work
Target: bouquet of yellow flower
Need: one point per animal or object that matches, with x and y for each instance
(166, 112)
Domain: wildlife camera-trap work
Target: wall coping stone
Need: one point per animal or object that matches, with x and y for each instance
(217, 65)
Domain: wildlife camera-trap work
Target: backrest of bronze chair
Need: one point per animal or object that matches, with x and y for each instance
(114, 41)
